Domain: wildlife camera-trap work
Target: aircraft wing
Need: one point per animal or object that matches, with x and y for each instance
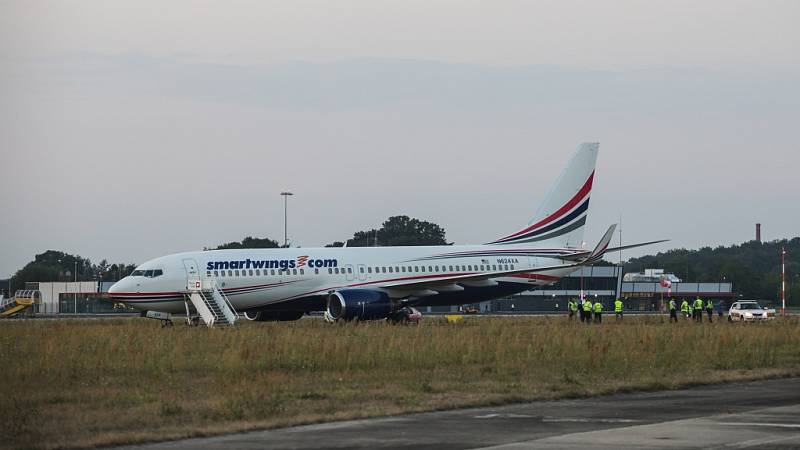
(445, 281)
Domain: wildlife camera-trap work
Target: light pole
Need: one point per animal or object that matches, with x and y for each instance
(783, 281)
(285, 195)
(75, 298)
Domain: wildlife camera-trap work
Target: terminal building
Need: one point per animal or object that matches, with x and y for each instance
(82, 297)
(639, 292)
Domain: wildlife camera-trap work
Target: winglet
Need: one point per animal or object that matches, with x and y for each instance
(602, 246)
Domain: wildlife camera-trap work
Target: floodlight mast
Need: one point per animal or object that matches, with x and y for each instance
(285, 195)
(783, 281)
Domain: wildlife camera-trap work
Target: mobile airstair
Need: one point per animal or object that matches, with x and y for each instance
(211, 303)
(20, 302)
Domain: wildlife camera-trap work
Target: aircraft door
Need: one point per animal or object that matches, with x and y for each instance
(349, 272)
(192, 274)
(362, 272)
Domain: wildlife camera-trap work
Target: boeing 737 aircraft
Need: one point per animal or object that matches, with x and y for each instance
(381, 282)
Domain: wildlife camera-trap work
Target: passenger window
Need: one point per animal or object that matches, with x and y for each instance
(369, 269)
(230, 273)
(236, 272)
(216, 273)
(512, 267)
(390, 269)
(430, 269)
(251, 272)
(349, 270)
(272, 272)
(450, 269)
(222, 273)
(330, 271)
(336, 271)
(294, 271)
(383, 269)
(416, 268)
(302, 272)
(481, 267)
(361, 269)
(208, 274)
(316, 271)
(494, 266)
(506, 266)
(396, 269)
(437, 268)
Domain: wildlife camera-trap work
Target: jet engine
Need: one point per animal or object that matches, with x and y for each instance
(273, 316)
(362, 304)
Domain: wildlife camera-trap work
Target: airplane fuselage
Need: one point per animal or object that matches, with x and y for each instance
(300, 278)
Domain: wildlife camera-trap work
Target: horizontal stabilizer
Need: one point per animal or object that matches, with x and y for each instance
(625, 247)
(602, 246)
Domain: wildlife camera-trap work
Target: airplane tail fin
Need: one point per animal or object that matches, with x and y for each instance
(562, 215)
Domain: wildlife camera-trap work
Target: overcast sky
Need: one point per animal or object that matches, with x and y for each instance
(129, 130)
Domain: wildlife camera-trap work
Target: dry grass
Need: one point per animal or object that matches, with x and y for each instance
(83, 383)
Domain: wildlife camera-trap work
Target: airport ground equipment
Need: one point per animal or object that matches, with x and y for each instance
(210, 303)
(21, 301)
(165, 318)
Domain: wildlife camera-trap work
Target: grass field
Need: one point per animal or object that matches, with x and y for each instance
(82, 383)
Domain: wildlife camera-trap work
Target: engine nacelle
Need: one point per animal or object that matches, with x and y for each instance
(273, 316)
(362, 304)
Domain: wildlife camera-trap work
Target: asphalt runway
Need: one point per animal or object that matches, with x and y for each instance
(761, 414)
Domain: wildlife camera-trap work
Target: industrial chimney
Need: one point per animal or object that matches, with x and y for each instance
(758, 232)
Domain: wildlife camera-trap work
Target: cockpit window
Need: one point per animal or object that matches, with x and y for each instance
(147, 273)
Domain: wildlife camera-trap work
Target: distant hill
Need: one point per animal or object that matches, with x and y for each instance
(753, 267)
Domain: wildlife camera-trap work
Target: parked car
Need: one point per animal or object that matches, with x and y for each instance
(749, 310)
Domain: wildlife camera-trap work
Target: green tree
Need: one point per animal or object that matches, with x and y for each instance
(54, 265)
(250, 242)
(753, 267)
(398, 231)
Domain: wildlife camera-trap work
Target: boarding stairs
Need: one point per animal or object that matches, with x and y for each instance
(211, 303)
(17, 304)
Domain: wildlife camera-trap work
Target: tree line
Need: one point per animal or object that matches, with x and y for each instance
(753, 267)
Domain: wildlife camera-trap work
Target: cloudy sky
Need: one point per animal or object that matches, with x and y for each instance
(129, 130)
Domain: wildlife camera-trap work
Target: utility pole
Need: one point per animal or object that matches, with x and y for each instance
(783, 281)
(285, 195)
(75, 294)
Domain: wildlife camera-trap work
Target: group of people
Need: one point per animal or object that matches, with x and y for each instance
(692, 309)
(588, 311)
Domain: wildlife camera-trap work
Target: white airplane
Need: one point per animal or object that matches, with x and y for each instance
(383, 282)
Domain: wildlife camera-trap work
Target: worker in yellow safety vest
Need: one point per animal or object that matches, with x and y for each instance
(698, 310)
(617, 309)
(598, 311)
(673, 313)
(587, 310)
(572, 305)
(685, 308)
(710, 309)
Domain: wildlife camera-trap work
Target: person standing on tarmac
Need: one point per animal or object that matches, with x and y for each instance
(598, 311)
(710, 309)
(617, 309)
(572, 306)
(587, 311)
(685, 308)
(673, 313)
(698, 310)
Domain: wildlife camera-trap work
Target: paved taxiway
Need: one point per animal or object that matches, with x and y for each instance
(762, 414)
